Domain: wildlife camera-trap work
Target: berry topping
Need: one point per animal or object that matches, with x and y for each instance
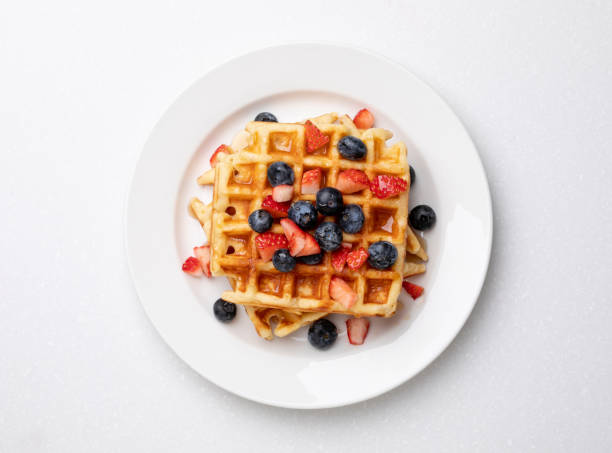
(357, 330)
(315, 139)
(304, 214)
(338, 257)
(384, 186)
(352, 148)
(311, 259)
(283, 261)
(415, 291)
(260, 221)
(412, 175)
(329, 236)
(351, 181)
(224, 311)
(341, 292)
(193, 267)
(364, 119)
(282, 193)
(280, 173)
(329, 201)
(203, 255)
(311, 181)
(267, 117)
(382, 255)
(322, 334)
(351, 219)
(268, 243)
(356, 258)
(422, 217)
(300, 242)
(221, 151)
(274, 207)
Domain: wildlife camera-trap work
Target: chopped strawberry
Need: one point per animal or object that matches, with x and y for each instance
(311, 181)
(415, 291)
(315, 139)
(275, 208)
(340, 291)
(300, 242)
(338, 257)
(203, 254)
(356, 258)
(351, 181)
(220, 151)
(268, 243)
(357, 330)
(384, 186)
(364, 119)
(193, 267)
(282, 193)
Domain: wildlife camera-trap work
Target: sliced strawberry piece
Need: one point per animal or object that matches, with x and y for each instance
(193, 267)
(351, 181)
(356, 258)
(340, 291)
(357, 330)
(282, 193)
(311, 181)
(221, 150)
(415, 291)
(275, 208)
(315, 139)
(364, 119)
(300, 242)
(268, 243)
(384, 186)
(338, 257)
(203, 254)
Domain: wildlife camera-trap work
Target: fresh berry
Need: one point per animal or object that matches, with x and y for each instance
(280, 173)
(311, 181)
(352, 148)
(351, 181)
(224, 311)
(260, 220)
(268, 243)
(351, 219)
(415, 291)
(311, 259)
(193, 267)
(412, 175)
(382, 254)
(364, 119)
(341, 292)
(267, 117)
(329, 201)
(300, 242)
(322, 334)
(384, 186)
(357, 330)
(315, 139)
(282, 193)
(356, 258)
(422, 217)
(219, 152)
(283, 261)
(329, 236)
(338, 257)
(304, 214)
(203, 254)
(275, 208)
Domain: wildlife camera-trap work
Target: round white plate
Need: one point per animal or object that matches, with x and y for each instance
(296, 82)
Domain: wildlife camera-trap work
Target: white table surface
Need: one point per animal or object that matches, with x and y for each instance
(81, 367)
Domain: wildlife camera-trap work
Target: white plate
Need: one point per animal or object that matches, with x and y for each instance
(296, 82)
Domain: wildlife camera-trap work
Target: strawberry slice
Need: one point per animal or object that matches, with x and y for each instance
(356, 258)
(268, 243)
(315, 139)
(219, 152)
(340, 291)
(311, 181)
(357, 330)
(282, 193)
(203, 254)
(275, 208)
(415, 291)
(384, 186)
(364, 119)
(338, 257)
(193, 267)
(351, 181)
(300, 242)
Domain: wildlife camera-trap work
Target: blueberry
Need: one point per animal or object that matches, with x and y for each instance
(351, 219)
(322, 334)
(382, 255)
(260, 220)
(329, 236)
(311, 259)
(352, 148)
(266, 116)
(329, 201)
(422, 217)
(224, 311)
(412, 175)
(304, 214)
(280, 173)
(283, 261)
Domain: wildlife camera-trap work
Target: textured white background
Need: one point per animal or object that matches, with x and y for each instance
(81, 367)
